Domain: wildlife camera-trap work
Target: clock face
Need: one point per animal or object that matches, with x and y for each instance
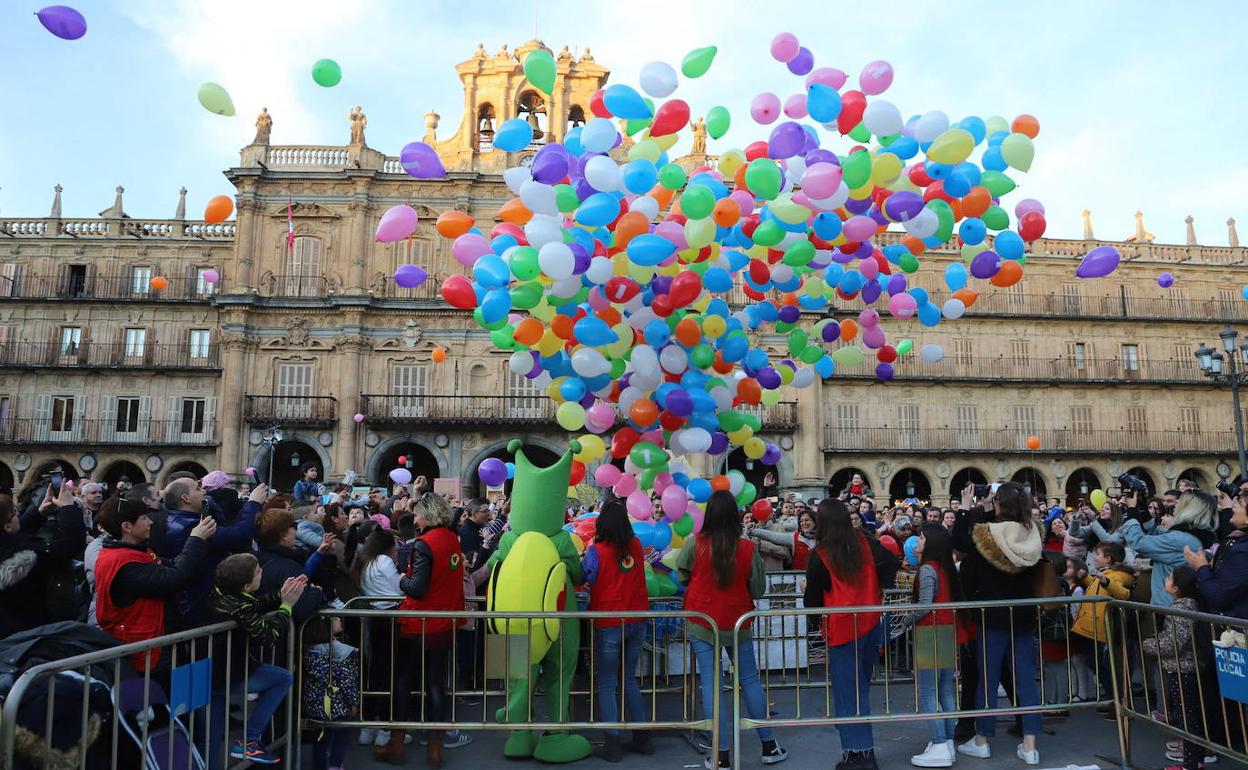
(527, 161)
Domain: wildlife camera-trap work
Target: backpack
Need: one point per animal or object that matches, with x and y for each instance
(331, 688)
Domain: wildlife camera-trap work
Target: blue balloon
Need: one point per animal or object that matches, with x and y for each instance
(823, 103)
(656, 333)
(894, 251)
(717, 280)
(640, 176)
(594, 332)
(972, 231)
(937, 170)
(929, 314)
(919, 294)
(511, 470)
(572, 389)
(957, 184)
(572, 141)
(491, 271)
(649, 249)
(717, 306)
(496, 305)
(735, 347)
(904, 147)
(850, 282)
(623, 102)
(970, 170)
(992, 160)
(974, 126)
(827, 225)
(513, 135)
(662, 536)
(825, 367)
(1009, 245)
(997, 138)
(598, 209)
(501, 243)
(700, 490)
(956, 276)
(644, 530)
(756, 358)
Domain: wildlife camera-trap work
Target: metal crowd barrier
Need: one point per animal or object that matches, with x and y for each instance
(158, 697)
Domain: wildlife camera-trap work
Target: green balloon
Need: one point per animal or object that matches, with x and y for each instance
(856, 169)
(565, 198)
(525, 296)
(504, 338)
(997, 183)
(702, 356)
(799, 253)
(730, 420)
(944, 215)
(763, 177)
(768, 234)
(539, 69)
(717, 121)
(859, 133)
(748, 493)
(634, 125)
(327, 73)
(698, 61)
(753, 421)
(886, 141)
(646, 455)
(995, 218)
(908, 262)
(904, 347)
(784, 327)
(215, 99)
(524, 263)
(697, 201)
(797, 342)
(648, 476)
(617, 368)
(673, 177)
(683, 526)
(476, 316)
(811, 354)
(850, 356)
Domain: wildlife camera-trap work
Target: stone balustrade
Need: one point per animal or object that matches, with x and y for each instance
(105, 228)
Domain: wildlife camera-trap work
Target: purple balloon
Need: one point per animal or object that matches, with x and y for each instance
(831, 332)
(1165, 280)
(884, 372)
(410, 276)
(875, 213)
(719, 443)
(771, 455)
(581, 258)
(821, 156)
(803, 63)
(583, 189)
(896, 284)
(492, 472)
(903, 205)
(679, 403)
(985, 264)
(871, 291)
(841, 257)
(790, 314)
(1098, 262)
(786, 140)
(550, 165)
(421, 161)
(858, 206)
(768, 378)
(63, 21)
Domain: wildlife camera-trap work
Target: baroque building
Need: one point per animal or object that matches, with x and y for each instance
(119, 357)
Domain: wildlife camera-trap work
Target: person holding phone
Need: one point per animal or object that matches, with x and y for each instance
(1223, 581)
(27, 560)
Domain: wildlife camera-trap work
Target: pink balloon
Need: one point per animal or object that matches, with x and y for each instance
(784, 47)
(828, 76)
(597, 300)
(902, 305)
(470, 247)
(638, 504)
(876, 77)
(869, 316)
(653, 436)
(606, 475)
(674, 232)
(1027, 205)
(744, 200)
(874, 337)
(358, 417)
(859, 228)
(795, 106)
(822, 180)
(625, 485)
(397, 223)
(662, 482)
(765, 108)
(674, 500)
(869, 269)
(697, 514)
(600, 417)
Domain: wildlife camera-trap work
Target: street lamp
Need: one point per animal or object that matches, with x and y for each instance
(1211, 363)
(272, 436)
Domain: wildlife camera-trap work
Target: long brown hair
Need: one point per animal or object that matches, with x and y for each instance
(836, 537)
(1014, 503)
(723, 528)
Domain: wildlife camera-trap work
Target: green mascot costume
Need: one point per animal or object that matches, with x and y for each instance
(535, 569)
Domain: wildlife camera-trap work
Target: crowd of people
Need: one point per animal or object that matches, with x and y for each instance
(144, 562)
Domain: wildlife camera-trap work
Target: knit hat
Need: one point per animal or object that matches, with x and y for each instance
(382, 520)
(215, 480)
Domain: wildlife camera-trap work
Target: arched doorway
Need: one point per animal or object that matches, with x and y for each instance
(842, 478)
(964, 477)
(416, 459)
(122, 470)
(1080, 484)
(1144, 475)
(764, 476)
(287, 458)
(1033, 482)
(910, 484)
(66, 468)
(537, 454)
(187, 466)
(6, 478)
(1196, 476)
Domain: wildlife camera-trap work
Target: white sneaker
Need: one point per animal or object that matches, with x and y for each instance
(973, 749)
(935, 755)
(459, 740)
(382, 738)
(952, 748)
(1030, 757)
(367, 736)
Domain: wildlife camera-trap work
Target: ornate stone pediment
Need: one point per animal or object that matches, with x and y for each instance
(296, 337)
(304, 210)
(410, 337)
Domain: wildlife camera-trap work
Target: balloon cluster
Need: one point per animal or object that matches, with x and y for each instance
(609, 273)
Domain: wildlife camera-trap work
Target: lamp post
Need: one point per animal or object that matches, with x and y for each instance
(272, 436)
(1211, 363)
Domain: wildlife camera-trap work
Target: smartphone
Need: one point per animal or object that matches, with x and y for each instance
(981, 490)
(55, 479)
(327, 499)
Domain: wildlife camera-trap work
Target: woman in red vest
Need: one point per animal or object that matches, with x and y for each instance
(434, 582)
(615, 573)
(799, 543)
(725, 575)
(844, 571)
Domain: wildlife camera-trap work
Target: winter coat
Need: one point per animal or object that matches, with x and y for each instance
(1090, 622)
(1000, 556)
(257, 630)
(164, 579)
(279, 563)
(1173, 643)
(229, 539)
(1165, 548)
(27, 561)
(309, 533)
(1224, 582)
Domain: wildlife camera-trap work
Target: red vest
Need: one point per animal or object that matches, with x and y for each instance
(861, 590)
(620, 584)
(143, 620)
(446, 585)
(724, 605)
(801, 552)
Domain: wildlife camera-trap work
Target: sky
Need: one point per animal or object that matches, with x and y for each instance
(1140, 102)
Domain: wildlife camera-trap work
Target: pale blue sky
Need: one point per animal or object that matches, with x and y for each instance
(1141, 104)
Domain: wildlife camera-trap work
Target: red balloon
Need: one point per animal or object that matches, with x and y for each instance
(1031, 225)
(621, 289)
(759, 272)
(671, 116)
(670, 421)
(755, 150)
(623, 441)
(578, 473)
(886, 354)
(597, 106)
(458, 293)
(402, 459)
(761, 510)
(509, 228)
(686, 287)
(662, 305)
(918, 175)
(853, 104)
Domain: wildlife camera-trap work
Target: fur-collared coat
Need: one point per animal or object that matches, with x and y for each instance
(998, 557)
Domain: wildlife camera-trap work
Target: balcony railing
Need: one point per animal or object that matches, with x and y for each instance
(101, 432)
(311, 286)
(124, 287)
(291, 410)
(429, 290)
(481, 410)
(782, 417)
(840, 439)
(108, 356)
(1063, 369)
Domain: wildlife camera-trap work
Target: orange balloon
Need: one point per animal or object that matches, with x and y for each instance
(662, 195)
(513, 211)
(1009, 274)
(915, 245)
(629, 226)
(722, 366)
(849, 329)
(750, 391)
(529, 331)
(561, 325)
(452, 223)
(721, 484)
(1026, 124)
(1033, 442)
(726, 212)
(218, 209)
(976, 202)
(644, 412)
(159, 283)
(610, 315)
(439, 355)
(688, 332)
(967, 296)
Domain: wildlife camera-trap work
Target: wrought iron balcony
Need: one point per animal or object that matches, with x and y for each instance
(781, 418)
(841, 439)
(457, 410)
(1037, 369)
(310, 286)
(107, 432)
(125, 287)
(290, 410)
(96, 355)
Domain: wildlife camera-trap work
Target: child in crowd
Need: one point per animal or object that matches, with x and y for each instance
(330, 690)
(936, 642)
(1111, 578)
(1082, 689)
(1175, 646)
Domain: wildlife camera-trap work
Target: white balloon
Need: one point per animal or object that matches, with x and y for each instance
(515, 177)
(795, 168)
(930, 126)
(538, 198)
(789, 239)
(923, 224)
(521, 362)
(736, 482)
(641, 317)
(587, 362)
(932, 353)
(673, 359)
(803, 378)
(658, 79)
(695, 439)
(556, 260)
(600, 269)
(953, 309)
(565, 287)
(644, 362)
(598, 135)
(542, 380)
(882, 118)
(646, 205)
(781, 273)
(602, 173)
(722, 398)
(541, 230)
(834, 201)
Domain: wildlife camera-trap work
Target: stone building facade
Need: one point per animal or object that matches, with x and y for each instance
(305, 350)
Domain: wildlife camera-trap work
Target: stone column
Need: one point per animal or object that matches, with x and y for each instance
(358, 245)
(808, 467)
(247, 222)
(346, 440)
(232, 458)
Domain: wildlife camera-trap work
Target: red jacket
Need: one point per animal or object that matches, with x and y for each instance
(142, 620)
(620, 584)
(861, 590)
(446, 585)
(724, 605)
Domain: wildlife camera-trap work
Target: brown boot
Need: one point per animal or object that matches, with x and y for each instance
(433, 748)
(394, 752)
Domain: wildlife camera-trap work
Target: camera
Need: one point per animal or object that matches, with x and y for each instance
(1131, 483)
(1228, 489)
(982, 490)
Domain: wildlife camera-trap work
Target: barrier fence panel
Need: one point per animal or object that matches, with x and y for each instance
(1188, 676)
(157, 704)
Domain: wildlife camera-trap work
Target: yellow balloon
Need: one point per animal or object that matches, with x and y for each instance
(969, 251)
(788, 212)
(646, 149)
(665, 142)
(701, 232)
(552, 390)
(861, 194)
(953, 146)
(730, 161)
(543, 312)
(814, 286)
(1097, 498)
(755, 448)
(714, 326)
(549, 344)
(741, 435)
(640, 273)
(592, 447)
(678, 542)
(885, 167)
(571, 415)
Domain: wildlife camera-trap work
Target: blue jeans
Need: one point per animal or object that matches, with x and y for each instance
(849, 668)
(271, 683)
(610, 646)
(746, 670)
(937, 684)
(334, 742)
(997, 649)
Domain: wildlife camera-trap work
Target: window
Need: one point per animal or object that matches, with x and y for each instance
(1070, 298)
(4, 415)
(135, 341)
(962, 347)
(204, 287)
(140, 280)
(75, 281)
(71, 340)
(1131, 358)
(415, 251)
(8, 279)
(303, 272)
(1014, 296)
(908, 424)
(524, 398)
(409, 383)
(967, 418)
(1227, 299)
(1079, 355)
(127, 418)
(62, 414)
(1020, 351)
(1081, 420)
(1025, 420)
(294, 387)
(1185, 356)
(847, 417)
(194, 415)
(1137, 420)
(1189, 419)
(200, 341)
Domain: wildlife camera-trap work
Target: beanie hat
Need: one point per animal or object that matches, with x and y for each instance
(215, 480)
